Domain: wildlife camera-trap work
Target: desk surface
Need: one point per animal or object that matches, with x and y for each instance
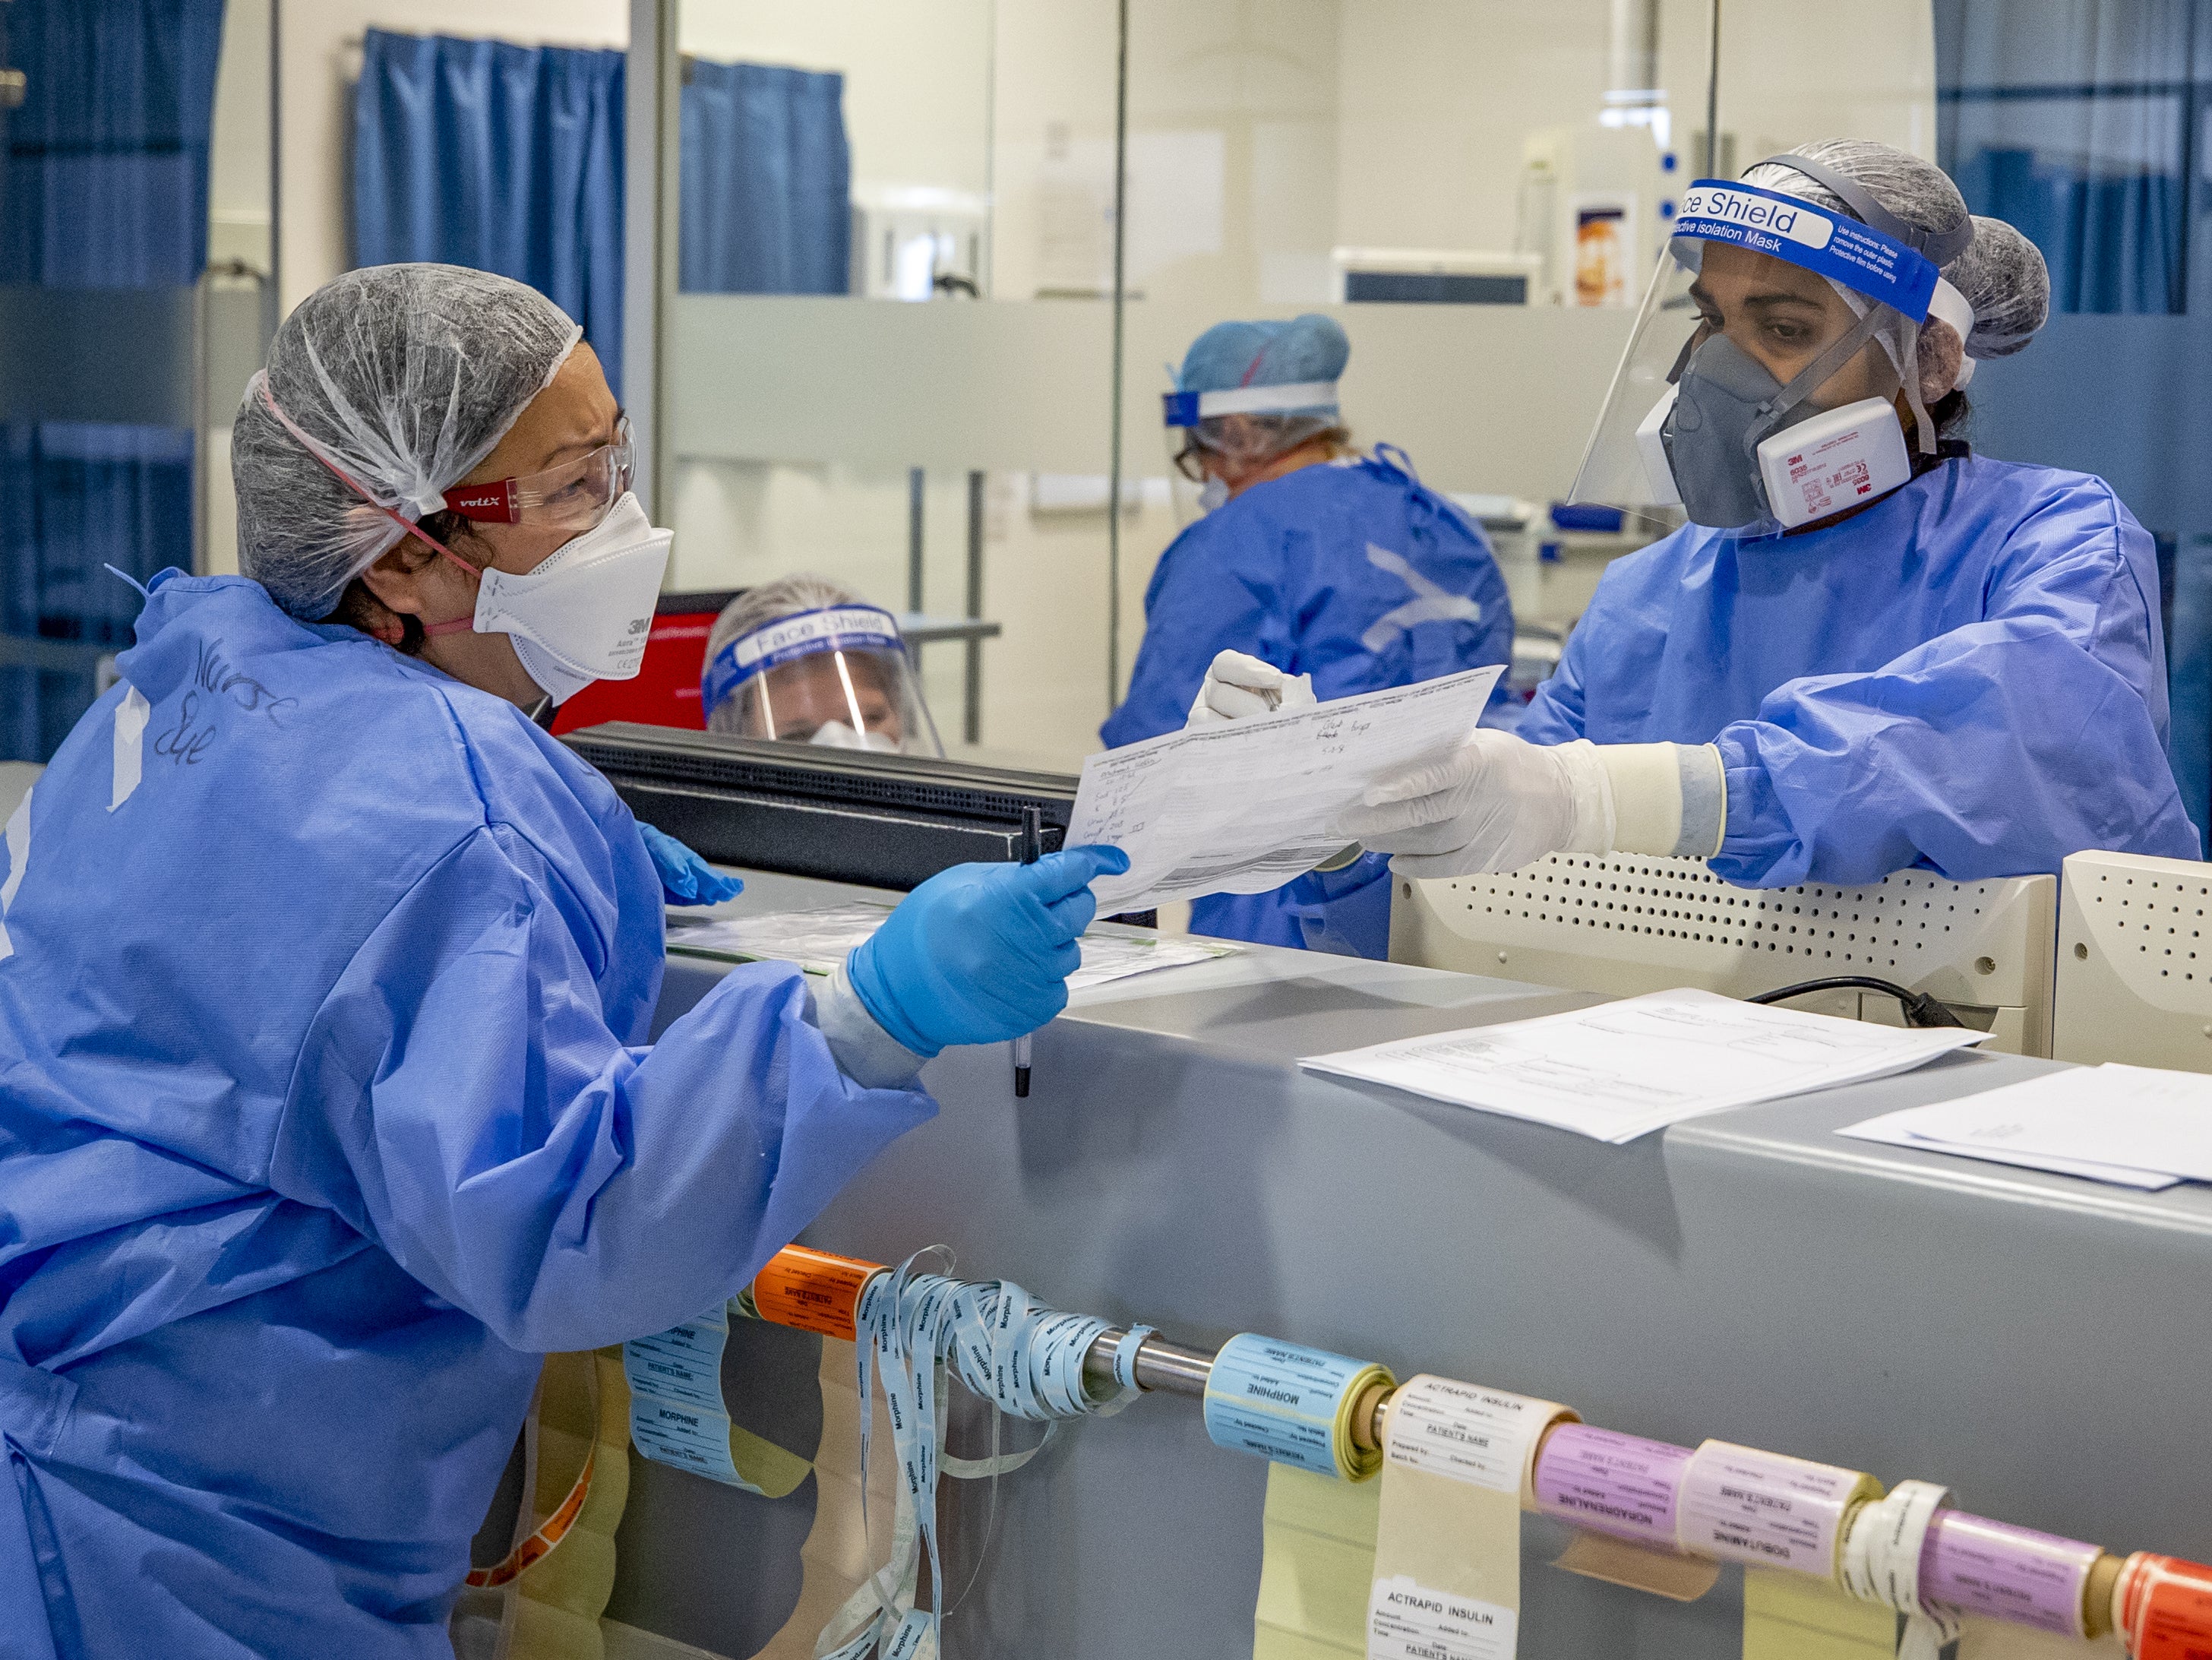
(2038, 1342)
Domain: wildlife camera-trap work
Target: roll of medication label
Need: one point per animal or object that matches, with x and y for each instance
(1744, 1505)
(812, 1291)
(1611, 1483)
(677, 1415)
(1291, 1404)
(1984, 1567)
(1486, 1436)
(1407, 1621)
(2165, 1607)
(1455, 1469)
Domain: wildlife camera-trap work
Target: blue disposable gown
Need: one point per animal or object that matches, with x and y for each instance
(1968, 676)
(322, 1118)
(1359, 575)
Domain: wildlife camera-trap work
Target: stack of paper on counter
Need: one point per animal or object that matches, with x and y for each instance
(2135, 1127)
(1623, 1069)
(817, 940)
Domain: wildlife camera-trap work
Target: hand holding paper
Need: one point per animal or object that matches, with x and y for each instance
(1246, 807)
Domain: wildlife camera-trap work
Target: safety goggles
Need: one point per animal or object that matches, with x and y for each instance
(574, 496)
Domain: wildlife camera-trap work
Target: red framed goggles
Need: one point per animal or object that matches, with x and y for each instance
(575, 495)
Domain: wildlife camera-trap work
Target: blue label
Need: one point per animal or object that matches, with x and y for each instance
(1842, 249)
(1181, 407)
(1281, 1401)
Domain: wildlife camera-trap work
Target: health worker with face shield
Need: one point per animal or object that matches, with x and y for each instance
(1868, 648)
(1314, 574)
(326, 976)
(806, 660)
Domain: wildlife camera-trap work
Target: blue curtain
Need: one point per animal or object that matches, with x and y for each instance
(2080, 121)
(767, 182)
(500, 157)
(104, 186)
(2113, 244)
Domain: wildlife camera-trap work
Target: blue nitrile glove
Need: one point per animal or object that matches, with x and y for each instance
(685, 877)
(981, 952)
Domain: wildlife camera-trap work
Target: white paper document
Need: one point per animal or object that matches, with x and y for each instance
(1623, 1069)
(2134, 1126)
(1245, 807)
(818, 939)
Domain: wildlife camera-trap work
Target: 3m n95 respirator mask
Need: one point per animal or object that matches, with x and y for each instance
(1760, 390)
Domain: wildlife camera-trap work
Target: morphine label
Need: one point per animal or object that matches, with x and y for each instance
(1409, 1622)
(1288, 1403)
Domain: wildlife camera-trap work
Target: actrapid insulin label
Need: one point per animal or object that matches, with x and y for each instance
(1474, 1434)
(1408, 1621)
(1745, 1506)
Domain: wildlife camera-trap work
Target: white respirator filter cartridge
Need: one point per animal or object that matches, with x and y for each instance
(1832, 461)
(1658, 470)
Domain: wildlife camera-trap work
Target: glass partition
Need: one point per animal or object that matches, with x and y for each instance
(129, 282)
(1476, 189)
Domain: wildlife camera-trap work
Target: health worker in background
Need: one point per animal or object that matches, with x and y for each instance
(1868, 648)
(1314, 572)
(326, 976)
(806, 660)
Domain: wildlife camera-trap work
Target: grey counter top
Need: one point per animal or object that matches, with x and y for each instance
(2039, 1342)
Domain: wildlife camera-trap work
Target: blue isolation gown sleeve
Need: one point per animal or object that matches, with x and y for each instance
(1555, 714)
(1197, 603)
(462, 1100)
(1994, 750)
(1347, 911)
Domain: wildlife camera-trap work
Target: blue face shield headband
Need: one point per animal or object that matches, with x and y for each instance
(752, 656)
(1849, 254)
(1187, 408)
(1739, 434)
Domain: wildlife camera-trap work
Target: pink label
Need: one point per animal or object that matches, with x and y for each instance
(1745, 1506)
(1611, 1483)
(2011, 1573)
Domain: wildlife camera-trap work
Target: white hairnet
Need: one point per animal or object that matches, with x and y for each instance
(770, 602)
(407, 376)
(2000, 273)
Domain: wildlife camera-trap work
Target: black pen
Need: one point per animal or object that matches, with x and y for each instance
(1032, 849)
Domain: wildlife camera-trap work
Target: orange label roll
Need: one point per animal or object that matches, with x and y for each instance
(812, 1291)
(2165, 1607)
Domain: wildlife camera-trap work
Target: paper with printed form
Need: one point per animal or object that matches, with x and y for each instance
(1247, 806)
(1623, 1069)
(818, 939)
(2135, 1127)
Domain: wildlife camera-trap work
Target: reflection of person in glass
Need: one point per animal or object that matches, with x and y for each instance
(806, 660)
(1337, 573)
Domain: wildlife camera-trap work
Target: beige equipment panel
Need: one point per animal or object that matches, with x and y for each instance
(1625, 923)
(2134, 969)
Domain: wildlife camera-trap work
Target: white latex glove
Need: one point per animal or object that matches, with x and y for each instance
(1497, 804)
(1236, 687)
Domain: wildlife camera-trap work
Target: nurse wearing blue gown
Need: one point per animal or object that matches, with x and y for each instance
(1338, 574)
(1869, 649)
(326, 977)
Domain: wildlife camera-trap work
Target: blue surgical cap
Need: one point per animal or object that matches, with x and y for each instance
(1232, 355)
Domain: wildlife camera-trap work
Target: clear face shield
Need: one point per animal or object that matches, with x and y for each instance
(839, 677)
(1201, 424)
(1763, 387)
